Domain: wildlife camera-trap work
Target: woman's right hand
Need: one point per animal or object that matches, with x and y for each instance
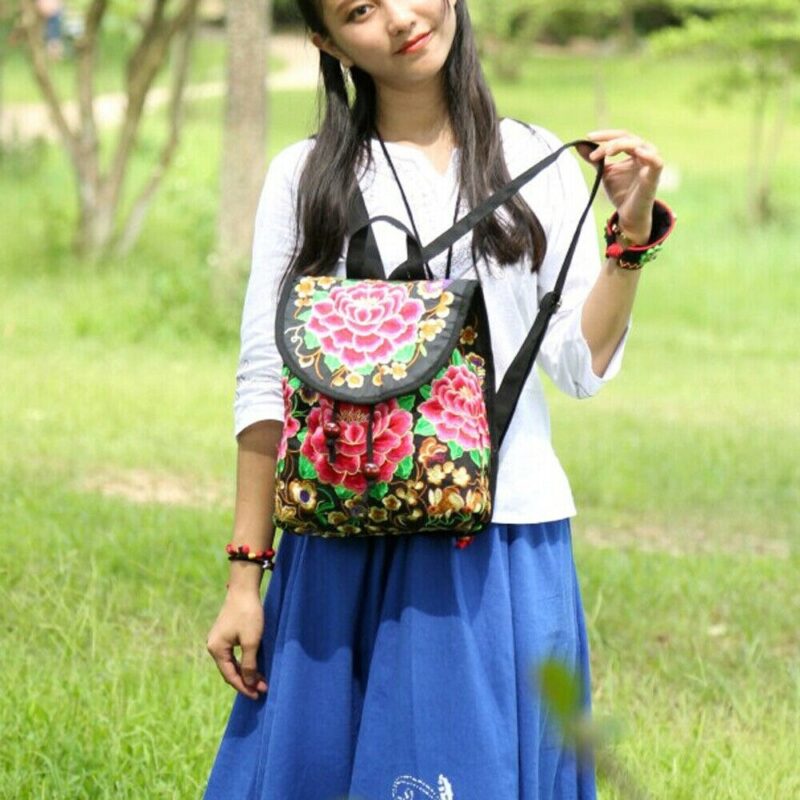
(240, 622)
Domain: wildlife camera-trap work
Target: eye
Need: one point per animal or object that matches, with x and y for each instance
(354, 14)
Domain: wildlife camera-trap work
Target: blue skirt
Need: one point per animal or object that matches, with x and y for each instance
(401, 669)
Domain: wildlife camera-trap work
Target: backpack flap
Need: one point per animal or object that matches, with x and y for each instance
(364, 341)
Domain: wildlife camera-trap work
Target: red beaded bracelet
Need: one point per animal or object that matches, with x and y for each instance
(242, 552)
(629, 255)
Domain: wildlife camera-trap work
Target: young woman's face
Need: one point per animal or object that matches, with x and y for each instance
(397, 42)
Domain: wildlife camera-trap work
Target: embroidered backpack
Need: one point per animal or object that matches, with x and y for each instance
(392, 420)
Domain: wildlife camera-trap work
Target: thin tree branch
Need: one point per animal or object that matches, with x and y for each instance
(141, 204)
(86, 48)
(31, 25)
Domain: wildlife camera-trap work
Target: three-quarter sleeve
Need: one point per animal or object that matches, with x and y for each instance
(258, 394)
(565, 354)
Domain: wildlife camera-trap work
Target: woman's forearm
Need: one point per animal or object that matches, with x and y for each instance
(255, 484)
(606, 312)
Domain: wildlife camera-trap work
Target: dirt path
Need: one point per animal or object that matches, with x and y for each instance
(24, 121)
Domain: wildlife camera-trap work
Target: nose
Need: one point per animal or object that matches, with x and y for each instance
(400, 17)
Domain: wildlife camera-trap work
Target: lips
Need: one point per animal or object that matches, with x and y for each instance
(410, 44)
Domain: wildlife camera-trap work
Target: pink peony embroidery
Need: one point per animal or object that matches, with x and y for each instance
(456, 408)
(365, 323)
(290, 424)
(392, 441)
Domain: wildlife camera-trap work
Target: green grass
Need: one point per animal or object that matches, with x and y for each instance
(684, 469)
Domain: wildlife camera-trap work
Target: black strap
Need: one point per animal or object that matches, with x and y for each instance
(366, 248)
(362, 264)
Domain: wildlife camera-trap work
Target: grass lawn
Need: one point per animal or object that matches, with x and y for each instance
(117, 470)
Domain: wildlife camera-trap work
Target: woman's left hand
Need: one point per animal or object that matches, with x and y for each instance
(630, 183)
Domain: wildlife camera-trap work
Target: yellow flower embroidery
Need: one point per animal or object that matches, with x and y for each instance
(391, 502)
(476, 501)
(355, 381)
(398, 370)
(436, 475)
(461, 477)
(429, 329)
(445, 301)
(304, 494)
(468, 335)
(305, 288)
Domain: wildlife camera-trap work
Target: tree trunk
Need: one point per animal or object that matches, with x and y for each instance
(243, 142)
(755, 187)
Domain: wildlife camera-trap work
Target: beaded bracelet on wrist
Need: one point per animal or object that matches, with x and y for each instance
(264, 558)
(629, 255)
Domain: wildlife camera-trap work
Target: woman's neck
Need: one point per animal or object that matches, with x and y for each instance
(418, 115)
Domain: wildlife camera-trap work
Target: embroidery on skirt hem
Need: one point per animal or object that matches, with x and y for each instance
(406, 787)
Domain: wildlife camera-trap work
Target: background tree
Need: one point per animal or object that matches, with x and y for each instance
(7, 13)
(757, 44)
(102, 226)
(243, 140)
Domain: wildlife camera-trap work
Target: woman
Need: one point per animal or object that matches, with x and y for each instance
(399, 667)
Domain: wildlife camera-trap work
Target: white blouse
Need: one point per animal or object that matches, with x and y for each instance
(532, 486)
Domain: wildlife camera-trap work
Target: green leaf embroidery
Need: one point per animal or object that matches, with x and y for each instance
(456, 358)
(310, 341)
(404, 468)
(425, 390)
(404, 354)
(456, 450)
(304, 316)
(301, 436)
(343, 492)
(477, 457)
(332, 363)
(424, 428)
(379, 490)
(293, 382)
(406, 401)
(324, 507)
(306, 468)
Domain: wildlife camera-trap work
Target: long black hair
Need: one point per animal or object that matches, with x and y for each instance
(328, 179)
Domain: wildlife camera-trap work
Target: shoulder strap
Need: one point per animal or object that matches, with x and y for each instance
(507, 396)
